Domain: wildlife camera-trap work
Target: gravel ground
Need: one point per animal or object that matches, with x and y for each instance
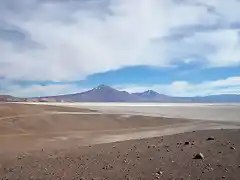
(167, 158)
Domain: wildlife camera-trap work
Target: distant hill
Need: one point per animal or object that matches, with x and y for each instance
(104, 93)
(222, 98)
(8, 98)
(153, 96)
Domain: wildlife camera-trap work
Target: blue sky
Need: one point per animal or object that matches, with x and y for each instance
(179, 48)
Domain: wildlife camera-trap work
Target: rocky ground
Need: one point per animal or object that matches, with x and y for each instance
(168, 158)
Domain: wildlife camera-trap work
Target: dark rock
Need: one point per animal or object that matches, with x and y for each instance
(186, 143)
(210, 138)
(233, 148)
(198, 156)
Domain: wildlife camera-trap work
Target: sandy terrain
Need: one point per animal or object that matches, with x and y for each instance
(15, 109)
(47, 142)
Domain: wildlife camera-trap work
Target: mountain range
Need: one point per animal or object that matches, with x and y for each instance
(104, 93)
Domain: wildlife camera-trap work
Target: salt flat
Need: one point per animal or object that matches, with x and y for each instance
(202, 111)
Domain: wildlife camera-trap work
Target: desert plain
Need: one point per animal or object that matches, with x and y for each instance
(119, 141)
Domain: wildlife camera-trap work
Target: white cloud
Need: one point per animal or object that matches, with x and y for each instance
(230, 85)
(224, 42)
(77, 42)
(11, 88)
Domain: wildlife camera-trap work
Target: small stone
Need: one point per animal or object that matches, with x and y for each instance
(19, 157)
(198, 156)
(210, 138)
(109, 166)
(233, 148)
(223, 177)
(159, 173)
(10, 170)
(186, 143)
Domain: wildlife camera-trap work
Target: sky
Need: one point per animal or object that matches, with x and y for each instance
(175, 47)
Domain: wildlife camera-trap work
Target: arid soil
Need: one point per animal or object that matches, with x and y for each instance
(14, 109)
(32, 127)
(169, 157)
(50, 142)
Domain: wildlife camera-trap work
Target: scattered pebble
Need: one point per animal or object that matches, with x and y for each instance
(158, 173)
(233, 148)
(107, 167)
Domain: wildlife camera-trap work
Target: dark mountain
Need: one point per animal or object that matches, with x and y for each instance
(152, 96)
(104, 93)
